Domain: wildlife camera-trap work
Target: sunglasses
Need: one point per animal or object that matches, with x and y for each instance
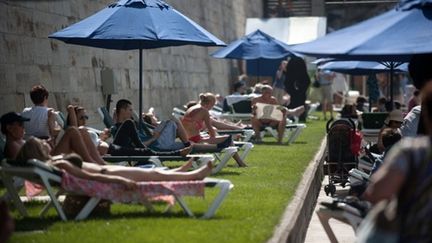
(84, 117)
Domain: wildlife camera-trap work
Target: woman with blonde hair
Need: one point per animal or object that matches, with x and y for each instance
(36, 148)
(197, 118)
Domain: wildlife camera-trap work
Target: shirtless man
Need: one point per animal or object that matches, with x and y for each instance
(267, 98)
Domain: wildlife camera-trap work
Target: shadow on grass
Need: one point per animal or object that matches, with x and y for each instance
(34, 223)
(222, 172)
(272, 143)
(300, 142)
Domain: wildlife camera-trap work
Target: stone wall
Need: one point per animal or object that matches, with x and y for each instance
(172, 75)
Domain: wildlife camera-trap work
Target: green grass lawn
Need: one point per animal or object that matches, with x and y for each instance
(249, 213)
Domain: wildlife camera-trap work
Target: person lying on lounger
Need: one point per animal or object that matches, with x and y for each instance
(12, 126)
(161, 140)
(36, 148)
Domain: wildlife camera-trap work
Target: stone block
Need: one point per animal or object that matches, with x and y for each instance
(3, 18)
(42, 51)
(12, 49)
(7, 78)
(181, 72)
(26, 52)
(14, 103)
(66, 8)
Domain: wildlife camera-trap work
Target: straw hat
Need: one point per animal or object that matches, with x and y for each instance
(395, 115)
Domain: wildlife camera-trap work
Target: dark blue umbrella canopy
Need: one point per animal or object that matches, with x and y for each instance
(137, 24)
(254, 46)
(390, 37)
(360, 67)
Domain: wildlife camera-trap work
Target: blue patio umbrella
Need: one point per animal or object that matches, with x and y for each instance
(360, 67)
(363, 68)
(257, 46)
(393, 36)
(137, 24)
(390, 38)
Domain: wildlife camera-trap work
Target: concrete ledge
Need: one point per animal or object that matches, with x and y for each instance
(295, 220)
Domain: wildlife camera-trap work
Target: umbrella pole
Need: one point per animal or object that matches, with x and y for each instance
(392, 65)
(140, 90)
(258, 71)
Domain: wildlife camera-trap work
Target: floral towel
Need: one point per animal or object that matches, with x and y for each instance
(32, 189)
(145, 191)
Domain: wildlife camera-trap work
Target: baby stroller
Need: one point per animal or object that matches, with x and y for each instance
(340, 159)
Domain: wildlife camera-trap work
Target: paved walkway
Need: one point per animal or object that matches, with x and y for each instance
(316, 234)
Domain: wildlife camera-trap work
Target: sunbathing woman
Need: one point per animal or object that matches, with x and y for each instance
(77, 117)
(197, 118)
(12, 126)
(36, 148)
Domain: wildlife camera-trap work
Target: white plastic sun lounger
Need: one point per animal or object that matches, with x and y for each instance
(51, 178)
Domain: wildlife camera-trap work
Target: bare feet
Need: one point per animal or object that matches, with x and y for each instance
(204, 171)
(185, 151)
(185, 167)
(297, 111)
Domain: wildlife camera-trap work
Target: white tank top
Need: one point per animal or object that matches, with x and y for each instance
(38, 124)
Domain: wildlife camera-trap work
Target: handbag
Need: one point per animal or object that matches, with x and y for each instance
(316, 84)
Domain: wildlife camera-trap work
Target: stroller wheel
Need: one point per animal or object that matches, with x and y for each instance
(330, 189)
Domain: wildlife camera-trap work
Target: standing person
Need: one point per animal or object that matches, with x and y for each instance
(279, 82)
(297, 83)
(340, 89)
(197, 118)
(325, 78)
(373, 90)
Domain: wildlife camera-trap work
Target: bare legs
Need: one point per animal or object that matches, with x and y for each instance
(92, 149)
(281, 129)
(327, 106)
(138, 174)
(72, 141)
(257, 124)
(220, 139)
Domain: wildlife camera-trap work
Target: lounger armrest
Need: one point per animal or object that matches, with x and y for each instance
(41, 165)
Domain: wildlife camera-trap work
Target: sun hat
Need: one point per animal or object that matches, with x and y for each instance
(395, 115)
